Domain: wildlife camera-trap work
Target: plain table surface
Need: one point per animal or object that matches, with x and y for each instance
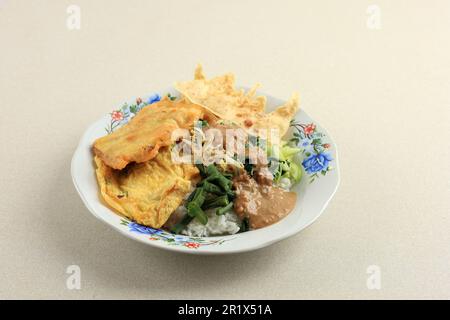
(382, 93)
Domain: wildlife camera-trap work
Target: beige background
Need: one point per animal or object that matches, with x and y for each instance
(383, 94)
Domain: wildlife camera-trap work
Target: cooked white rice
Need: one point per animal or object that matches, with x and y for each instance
(225, 224)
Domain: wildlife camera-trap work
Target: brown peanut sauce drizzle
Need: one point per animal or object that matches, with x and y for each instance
(259, 201)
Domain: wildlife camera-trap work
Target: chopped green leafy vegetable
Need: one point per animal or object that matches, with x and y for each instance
(287, 152)
(286, 166)
(295, 172)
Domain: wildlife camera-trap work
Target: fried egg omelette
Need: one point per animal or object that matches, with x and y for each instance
(151, 129)
(135, 172)
(147, 192)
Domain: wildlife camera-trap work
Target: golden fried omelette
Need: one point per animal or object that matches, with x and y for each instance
(147, 192)
(140, 139)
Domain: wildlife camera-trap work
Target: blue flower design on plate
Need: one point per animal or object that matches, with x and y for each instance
(317, 162)
(153, 98)
(135, 227)
(170, 238)
(180, 238)
(305, 142)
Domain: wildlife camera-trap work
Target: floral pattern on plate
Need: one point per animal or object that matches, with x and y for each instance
(317, 158)
(170, 238)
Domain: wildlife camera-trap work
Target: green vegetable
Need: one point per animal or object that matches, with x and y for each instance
(210, 197)
(212, 188)
(214, 191)
(277, 165)
(218, 202)
(245, 225)
(218, 178)
(195, 211)
(288, 152)
(286, 166)
(231, 195)
(228, 175)
(191, 196)
(212, 170)
(223, 210)
(202, 169)
(182, 224)
(223, 182)
(171, 97)
(199, 196)
(295, 172)
(209, 179)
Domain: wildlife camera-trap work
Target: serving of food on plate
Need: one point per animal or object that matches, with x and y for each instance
(202, 163)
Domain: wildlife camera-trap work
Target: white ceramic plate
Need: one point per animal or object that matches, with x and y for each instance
(318, 185)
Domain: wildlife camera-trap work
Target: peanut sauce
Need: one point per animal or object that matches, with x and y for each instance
(261, 202)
